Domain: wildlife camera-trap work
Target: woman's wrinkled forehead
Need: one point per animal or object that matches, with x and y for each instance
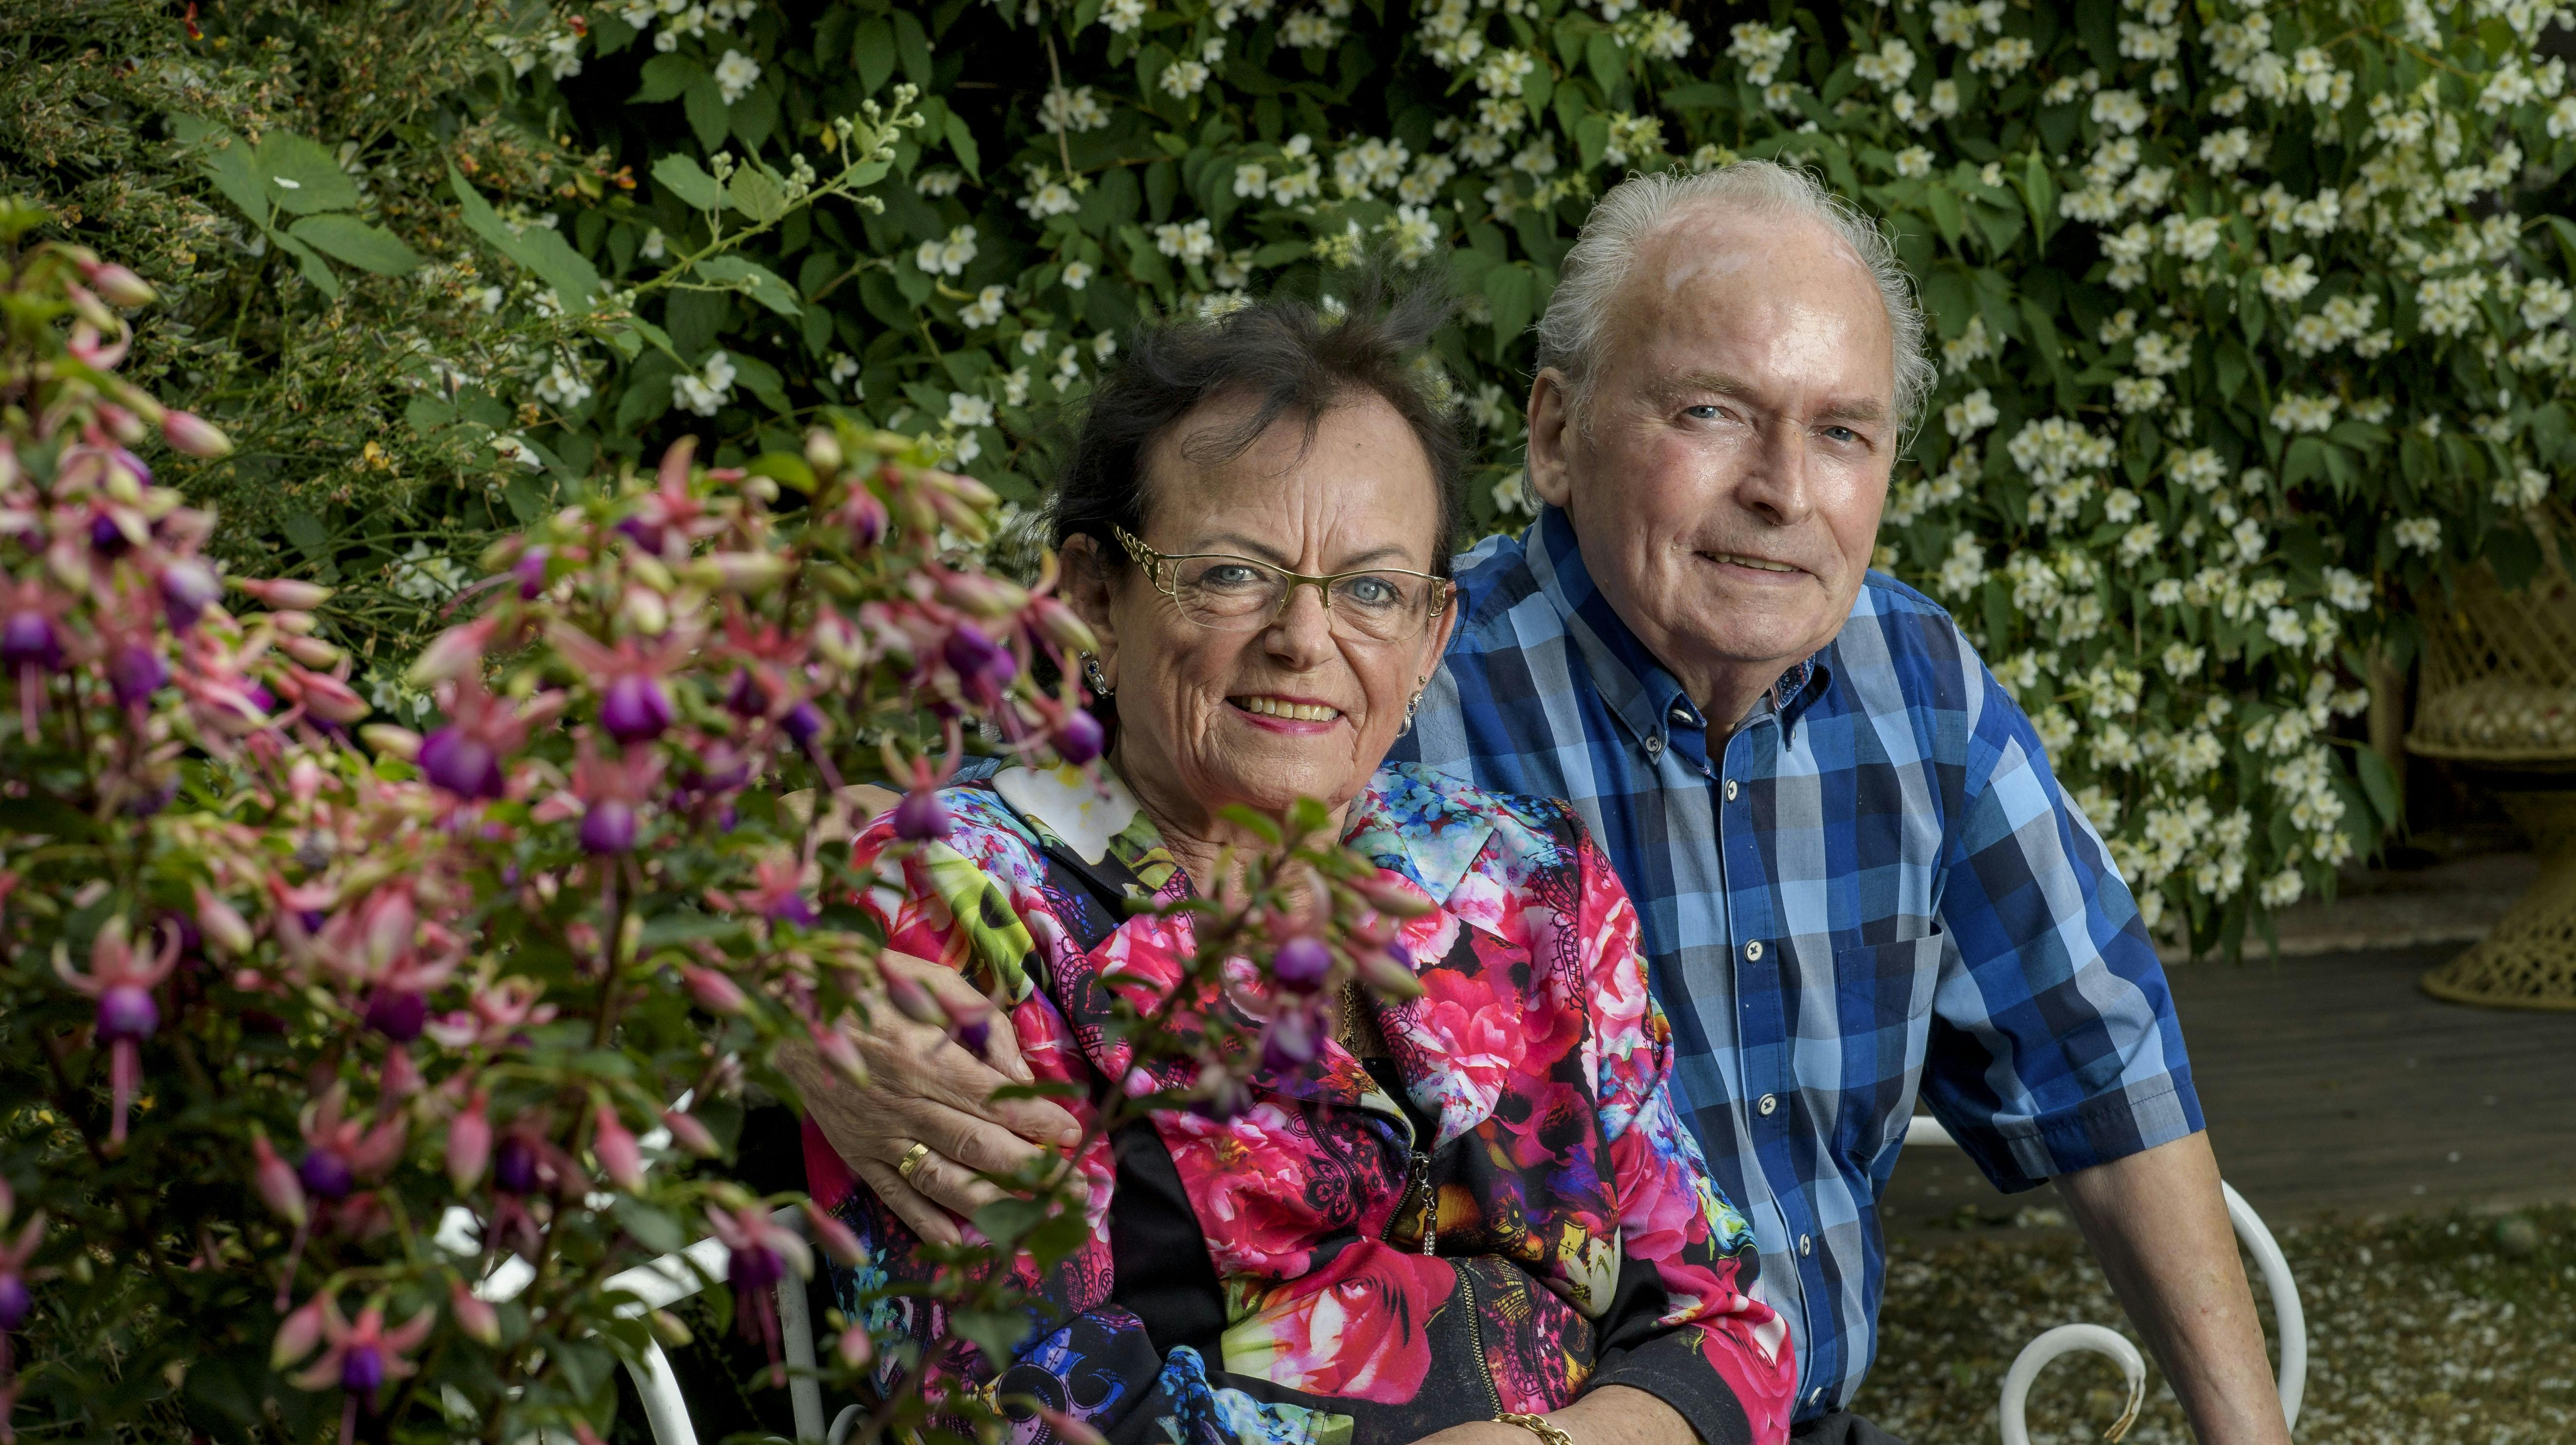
(1355, 460)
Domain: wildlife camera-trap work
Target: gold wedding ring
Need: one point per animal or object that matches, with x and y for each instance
(910, 1164)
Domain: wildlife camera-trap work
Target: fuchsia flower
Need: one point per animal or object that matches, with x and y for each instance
(14, 1299)
(778, 892)
(611, 791)
(464, 758)
(359, 1360)
(31, 644)
(633, 705)
(759, 1253)
(668, 513)
(381, 944)
(340, 1153)
(122, 978)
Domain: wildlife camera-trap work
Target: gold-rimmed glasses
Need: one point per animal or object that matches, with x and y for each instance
(1226, 593)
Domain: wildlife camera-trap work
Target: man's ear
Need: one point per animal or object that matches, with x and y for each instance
(1551, 428)
(1090, 581)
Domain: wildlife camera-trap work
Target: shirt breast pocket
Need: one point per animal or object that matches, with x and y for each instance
(1883, 1002)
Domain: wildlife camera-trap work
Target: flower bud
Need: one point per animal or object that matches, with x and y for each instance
(1070, 1429)
(530, 569)
(398, 1014)
(822, 451)
(1079, 738)
(1289, 1044)
(1389, 972)
(1302, 964)
(469, 1144)
(982, 594)
(390, 741)
(839, 641)
(329, 698)
(194, 435)
(120, 286)
(311, 651)
(451, 654)
(619, 1156)
(913, 1000)
(802, 724)
(838, 1241)
(669, 1329)
(609, 827)
(854, 1349)
(921, 817)
(690, 1134)
(475, 1318)
(462, 764)
(221, 924)
(749, 573)
(1062, 626)
(326, 1172)
(28, 641)
(297, 1334)
(284, 594)
(714, 992)
(277, 1184)
(127, 1012)
(1394, 898)
(187, 587)
(634, 709)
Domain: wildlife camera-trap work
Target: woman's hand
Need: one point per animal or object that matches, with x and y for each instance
(1611, 1415)
(925, 1088)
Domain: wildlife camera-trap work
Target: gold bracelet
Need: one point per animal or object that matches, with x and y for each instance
(1545, 1429)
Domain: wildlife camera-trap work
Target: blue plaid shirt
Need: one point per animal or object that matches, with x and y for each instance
(1876, 887)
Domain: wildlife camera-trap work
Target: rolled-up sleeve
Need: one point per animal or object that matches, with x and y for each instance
(2054, 1044)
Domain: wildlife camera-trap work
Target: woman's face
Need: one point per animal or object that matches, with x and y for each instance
(1209, 719)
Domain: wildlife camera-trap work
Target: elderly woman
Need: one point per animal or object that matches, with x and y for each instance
(1475, 1216)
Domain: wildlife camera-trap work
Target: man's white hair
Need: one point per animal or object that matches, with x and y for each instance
(1570, 335)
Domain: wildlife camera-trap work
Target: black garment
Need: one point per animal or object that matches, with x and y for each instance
(1842, 1427)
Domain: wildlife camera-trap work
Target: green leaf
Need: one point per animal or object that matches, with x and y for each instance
(227, 162)
(308, 534)
(1603, 57)
(912, 45)
(685, 178)
(1508, 294)
(2039, 191)
(962, 141)
(764, 285)
(1251, 820)
(785, 468)
(755, 116)
(315, 269)
(756, 195)
(301, 176)
(872, 50)
(2306, 458)
(428, 414)
(346, 238)
(666, 77)
(710, 119)
(761, 379)
(537, 248)
(1944, 205)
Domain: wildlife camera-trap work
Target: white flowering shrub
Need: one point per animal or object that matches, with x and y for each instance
(2251, 327)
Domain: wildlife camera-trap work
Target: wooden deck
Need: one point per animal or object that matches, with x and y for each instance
(2333, 1084)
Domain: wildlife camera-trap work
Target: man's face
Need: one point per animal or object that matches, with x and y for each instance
(1726, 471)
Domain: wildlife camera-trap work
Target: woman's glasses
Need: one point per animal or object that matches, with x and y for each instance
(1226, 593)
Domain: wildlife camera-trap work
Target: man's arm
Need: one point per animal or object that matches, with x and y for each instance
(926, 1088)
(2159, 1225)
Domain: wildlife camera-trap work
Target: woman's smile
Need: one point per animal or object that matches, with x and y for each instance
(1297, 715)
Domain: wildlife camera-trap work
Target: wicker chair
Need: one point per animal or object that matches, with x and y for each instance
(2499, 692)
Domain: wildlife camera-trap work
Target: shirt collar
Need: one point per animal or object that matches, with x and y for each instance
(1646, 698)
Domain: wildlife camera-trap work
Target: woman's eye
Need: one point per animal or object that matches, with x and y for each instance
(1369, 591)
(1229, 574)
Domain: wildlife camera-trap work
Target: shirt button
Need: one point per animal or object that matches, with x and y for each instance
(1753, 951)
(1681, 715)
(1654, 745)
(1806, 1244)
(1730, 790)
(1766, 1105)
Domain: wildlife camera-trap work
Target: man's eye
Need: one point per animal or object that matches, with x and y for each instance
(1700, 413)
(1842, 434)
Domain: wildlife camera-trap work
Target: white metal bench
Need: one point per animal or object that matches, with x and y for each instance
(2068, 1339)
(675, 1277)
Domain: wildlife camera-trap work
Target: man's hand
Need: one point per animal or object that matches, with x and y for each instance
(2159, 1225)
(926, 1088)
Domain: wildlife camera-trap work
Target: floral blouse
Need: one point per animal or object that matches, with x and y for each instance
(1277, 1277)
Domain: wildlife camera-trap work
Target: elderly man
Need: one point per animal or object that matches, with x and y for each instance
(1857, 878)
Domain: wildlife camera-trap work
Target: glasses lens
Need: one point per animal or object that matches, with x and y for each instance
(1231, 594)
(1387, 606)
(1236, 594)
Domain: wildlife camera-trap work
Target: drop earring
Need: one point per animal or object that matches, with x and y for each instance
(1413, 705)
(1091, 673)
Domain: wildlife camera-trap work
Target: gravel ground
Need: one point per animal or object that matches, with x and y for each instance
(2457, 1328)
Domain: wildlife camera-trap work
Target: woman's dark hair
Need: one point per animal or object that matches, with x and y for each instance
(1291, 359)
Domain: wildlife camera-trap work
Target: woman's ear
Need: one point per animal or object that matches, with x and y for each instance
(1090, 582)
(1442, 627)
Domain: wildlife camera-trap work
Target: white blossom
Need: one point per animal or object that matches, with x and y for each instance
(736, 74)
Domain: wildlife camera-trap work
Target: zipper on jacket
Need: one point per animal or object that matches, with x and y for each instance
(1476, 1337)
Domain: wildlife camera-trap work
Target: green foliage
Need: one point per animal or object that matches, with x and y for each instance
(2252, 322)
